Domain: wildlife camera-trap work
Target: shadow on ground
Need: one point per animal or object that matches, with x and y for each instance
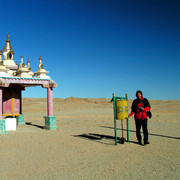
(151, 134)
(38, 126)
(100, 137)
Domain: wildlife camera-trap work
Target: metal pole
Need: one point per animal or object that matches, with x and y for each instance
(127, 121)
(123, 139)
(128, 129)
(115, 130)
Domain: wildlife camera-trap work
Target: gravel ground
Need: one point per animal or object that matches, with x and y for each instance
(83, 145)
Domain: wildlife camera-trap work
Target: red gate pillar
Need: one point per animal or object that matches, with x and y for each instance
(1, 103)
(50, 101)
(50, 120)
(2, 121)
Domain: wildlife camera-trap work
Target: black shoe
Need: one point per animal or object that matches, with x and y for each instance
(140, 142)
(146, 142)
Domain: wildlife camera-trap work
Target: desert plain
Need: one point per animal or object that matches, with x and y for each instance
(82, 147)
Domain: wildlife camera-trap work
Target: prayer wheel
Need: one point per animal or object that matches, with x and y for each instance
(121, 109)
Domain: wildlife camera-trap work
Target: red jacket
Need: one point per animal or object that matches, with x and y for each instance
(136, 108)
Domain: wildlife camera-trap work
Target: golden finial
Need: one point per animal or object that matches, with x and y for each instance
(28, 63)
(21, 58)
(40, 63)
(40, 60)
(8, 38)
(29, 68)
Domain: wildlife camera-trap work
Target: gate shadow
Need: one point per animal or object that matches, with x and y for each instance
(38, 126)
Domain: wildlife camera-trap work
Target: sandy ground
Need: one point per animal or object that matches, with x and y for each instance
(83, 145)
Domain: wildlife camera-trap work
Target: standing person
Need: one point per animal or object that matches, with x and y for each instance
(139, 108)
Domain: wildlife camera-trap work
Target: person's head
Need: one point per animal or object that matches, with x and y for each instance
(139, 94)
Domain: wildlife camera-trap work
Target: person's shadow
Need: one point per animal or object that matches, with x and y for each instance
(151, 134)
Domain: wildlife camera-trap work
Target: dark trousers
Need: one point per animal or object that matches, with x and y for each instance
(142, 123)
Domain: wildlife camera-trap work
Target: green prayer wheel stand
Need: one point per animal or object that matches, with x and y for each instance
(114, 99)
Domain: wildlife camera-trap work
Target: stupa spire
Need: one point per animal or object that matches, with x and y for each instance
(22, 62)
(40, 63)
(8, 55)
(21, 58)
(29, 67)
(30, 73)
(40, 60)
(7, 46)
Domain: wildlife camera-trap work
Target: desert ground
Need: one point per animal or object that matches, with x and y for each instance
(83, 147)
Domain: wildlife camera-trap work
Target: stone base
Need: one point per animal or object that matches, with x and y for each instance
(50, 122)
(3, 126)
(20, 120)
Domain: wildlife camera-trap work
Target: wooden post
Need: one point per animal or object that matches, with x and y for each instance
(50, 101)
(20, 99)
(115, 130)
(2, 121)
(1, 103)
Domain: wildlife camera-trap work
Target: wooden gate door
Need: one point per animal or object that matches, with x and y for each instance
(11, 101)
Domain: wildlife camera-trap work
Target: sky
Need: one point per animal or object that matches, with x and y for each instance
(93, 48)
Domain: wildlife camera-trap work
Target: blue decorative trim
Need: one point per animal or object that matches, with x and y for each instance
(25, 78)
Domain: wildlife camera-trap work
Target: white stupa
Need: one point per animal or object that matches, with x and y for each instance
(22, 70)
(3, 69)
(10, 69)
(8, 55)
(41, 72)
(30, 73)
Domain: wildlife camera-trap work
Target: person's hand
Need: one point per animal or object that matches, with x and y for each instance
(130, 114)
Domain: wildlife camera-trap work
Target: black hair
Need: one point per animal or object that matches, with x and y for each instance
(137, 92)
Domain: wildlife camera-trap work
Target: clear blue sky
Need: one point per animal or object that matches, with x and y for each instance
(93, 48)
